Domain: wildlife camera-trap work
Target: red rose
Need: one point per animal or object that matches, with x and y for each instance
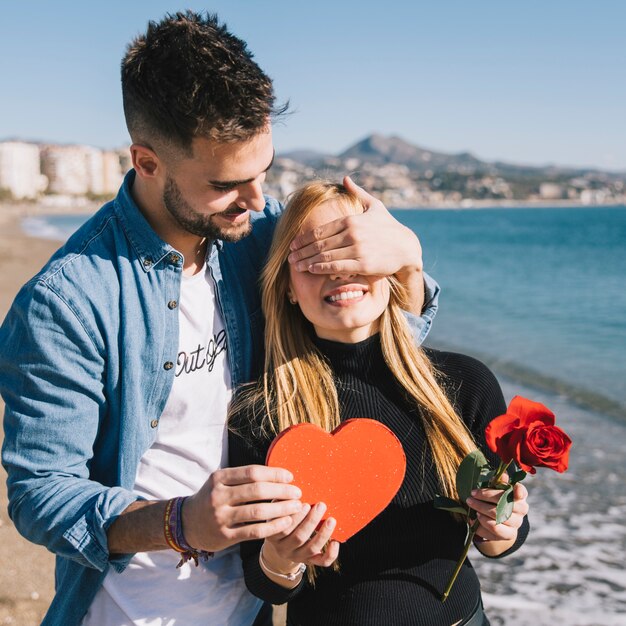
(527, 435)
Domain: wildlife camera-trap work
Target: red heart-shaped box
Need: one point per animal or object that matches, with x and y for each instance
(356, 470)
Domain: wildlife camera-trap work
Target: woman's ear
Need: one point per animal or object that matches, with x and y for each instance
(292, 298)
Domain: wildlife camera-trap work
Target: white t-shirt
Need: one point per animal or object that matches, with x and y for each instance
(191, 443)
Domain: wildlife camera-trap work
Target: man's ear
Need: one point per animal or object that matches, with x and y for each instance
(145, 161)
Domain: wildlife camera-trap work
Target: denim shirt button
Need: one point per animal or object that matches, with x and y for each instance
(168, 365)
(175, 259)
(172, 304)
(154, 423)
(147, 262)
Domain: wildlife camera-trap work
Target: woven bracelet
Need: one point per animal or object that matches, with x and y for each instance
(173, 530)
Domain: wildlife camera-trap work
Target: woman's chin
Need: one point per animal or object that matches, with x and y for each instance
(353, 333)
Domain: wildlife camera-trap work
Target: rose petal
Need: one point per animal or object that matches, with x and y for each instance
(549, 446)
(499, 427)
(525, 461)
(528, 411)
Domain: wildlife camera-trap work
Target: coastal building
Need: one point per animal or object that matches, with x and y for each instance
(66, 168)
(123, 155)
(550, 191)
(112, 172)
(94, 163)
(79, 170)
(20, 169)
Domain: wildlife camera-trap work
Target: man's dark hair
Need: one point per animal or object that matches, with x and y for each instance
(189, 77)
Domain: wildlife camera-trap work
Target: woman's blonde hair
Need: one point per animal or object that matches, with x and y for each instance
(298, 383)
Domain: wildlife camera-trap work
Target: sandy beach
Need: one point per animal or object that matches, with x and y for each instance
(26, 570)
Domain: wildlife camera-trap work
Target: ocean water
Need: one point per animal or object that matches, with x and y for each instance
(540, 295)
(56, 227)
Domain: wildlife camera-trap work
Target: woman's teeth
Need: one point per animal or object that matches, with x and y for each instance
(345, 295)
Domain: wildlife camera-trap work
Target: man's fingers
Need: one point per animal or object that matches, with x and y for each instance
(261, 511)
(333, 244)
(338, 261)
(319, 233)
(367, 199)
(252, 474)
(261, 530)
(347, 267)
(253, 492)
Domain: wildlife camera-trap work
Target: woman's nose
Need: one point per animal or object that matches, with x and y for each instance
(342, 276)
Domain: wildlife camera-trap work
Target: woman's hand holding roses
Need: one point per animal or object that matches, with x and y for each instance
(525, 434)
(493, 539)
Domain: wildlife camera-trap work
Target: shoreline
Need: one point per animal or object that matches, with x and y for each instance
(16, 211)
(472, 205)
(21, 257)
(517, 374)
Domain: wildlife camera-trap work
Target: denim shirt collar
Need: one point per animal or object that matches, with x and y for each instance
(149, 247)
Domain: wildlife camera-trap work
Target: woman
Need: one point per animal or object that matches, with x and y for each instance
(338, 347)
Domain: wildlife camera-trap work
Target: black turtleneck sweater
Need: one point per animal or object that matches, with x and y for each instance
(394, 570)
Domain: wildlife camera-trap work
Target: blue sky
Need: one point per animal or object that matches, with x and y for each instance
(538, 81)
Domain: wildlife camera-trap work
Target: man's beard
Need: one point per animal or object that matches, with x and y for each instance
(197, 223)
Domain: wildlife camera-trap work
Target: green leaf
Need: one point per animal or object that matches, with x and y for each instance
(468, 474)
(486, 474)
(518, 476)
(501, 486)
(504, 509)
(447, 504)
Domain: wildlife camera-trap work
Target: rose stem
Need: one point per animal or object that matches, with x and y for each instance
(468, 542)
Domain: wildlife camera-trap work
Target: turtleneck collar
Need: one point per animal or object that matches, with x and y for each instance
(363, 359)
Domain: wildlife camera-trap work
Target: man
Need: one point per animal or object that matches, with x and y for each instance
(118, 360)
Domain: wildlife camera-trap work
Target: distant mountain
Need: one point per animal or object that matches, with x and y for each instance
(378, 150)
(307, 157)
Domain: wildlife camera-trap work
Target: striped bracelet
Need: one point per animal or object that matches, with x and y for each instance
(173, 530)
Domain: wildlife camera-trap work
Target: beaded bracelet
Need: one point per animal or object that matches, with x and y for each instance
(173, 530)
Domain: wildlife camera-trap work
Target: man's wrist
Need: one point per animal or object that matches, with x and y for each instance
(410, 273)
(413, 282)
(187, 517)
(139, 528)
(413, 258)
(174, 535)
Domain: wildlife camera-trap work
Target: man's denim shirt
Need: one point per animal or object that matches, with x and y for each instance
(87, 360)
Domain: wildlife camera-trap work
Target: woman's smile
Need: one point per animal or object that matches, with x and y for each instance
(346, 295)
